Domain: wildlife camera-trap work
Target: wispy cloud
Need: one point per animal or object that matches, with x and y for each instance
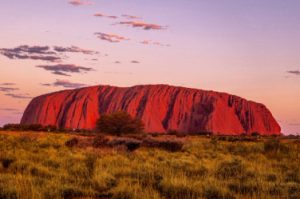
(12, 111)
(44, 53)
(126, 16)
(105, 16)
(74, 49)
(80, 2)
(64, 69)
(9, 109)
(113, 38)
(65, 84)
(143, 25)
(294, 72)
(294, 124)
(18, 96)
(118, 73)
(7, 84)
(130, 16)
(8, 89)
(149, 42)
(30, 52)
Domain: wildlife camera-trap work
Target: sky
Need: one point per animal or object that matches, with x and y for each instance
(246, 48)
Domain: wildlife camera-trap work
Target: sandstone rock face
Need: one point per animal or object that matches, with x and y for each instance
(161, 107)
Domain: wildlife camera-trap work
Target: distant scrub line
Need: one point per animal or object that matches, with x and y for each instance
(128, 143)
(38, 128)
(52, 128)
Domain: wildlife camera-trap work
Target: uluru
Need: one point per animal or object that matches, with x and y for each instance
(161, 108)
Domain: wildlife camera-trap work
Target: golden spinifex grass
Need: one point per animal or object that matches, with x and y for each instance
(40, 165)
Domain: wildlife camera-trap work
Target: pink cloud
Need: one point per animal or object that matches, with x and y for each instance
(106, 16)
(130, 16)
(113, 38)
(149, 42)
(80, 2)
(65, 84)
(145, 26)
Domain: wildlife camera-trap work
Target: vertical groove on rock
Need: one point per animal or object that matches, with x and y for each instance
(165, 122)
(65, 108)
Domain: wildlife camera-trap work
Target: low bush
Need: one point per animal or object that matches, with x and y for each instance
(271, 178)
(177, 188)
(230, 169)
(100, 141)
(168, 145)
(72, 142)
(6, 161)
(90, 163)
(171, 145)
(274, 146)
(214, 141)
(238, 149)
(197, 172)
(243, 188)
(23, 127)
(275, 190)
(293, 175)
(130, 143)
(242, 138)
(69, 192)
(294, 191)
(133, 145)
(212, 192)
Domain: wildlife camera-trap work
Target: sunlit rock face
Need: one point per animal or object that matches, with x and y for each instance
(161, 107)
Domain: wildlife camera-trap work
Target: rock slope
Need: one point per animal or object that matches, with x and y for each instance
(161, 107)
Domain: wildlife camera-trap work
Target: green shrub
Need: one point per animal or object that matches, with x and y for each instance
(119, 123)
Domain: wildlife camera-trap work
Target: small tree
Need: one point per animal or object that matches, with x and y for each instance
(118, 123)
